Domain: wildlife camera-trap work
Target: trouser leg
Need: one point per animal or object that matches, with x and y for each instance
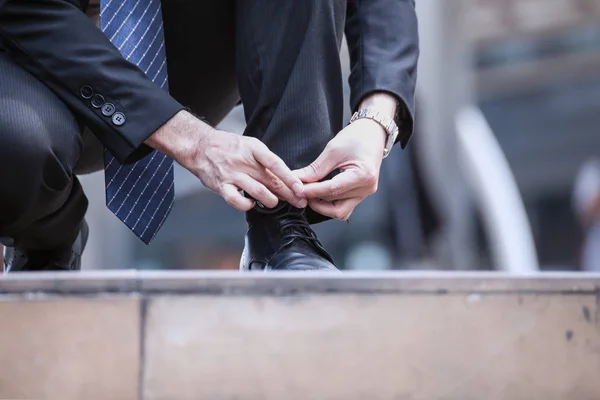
(41, 201)
(283, 56)
(289, 74)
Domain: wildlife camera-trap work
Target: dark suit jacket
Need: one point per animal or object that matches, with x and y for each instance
(56, 42)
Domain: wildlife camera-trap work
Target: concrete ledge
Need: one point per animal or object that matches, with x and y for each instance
(231, 283)
(190, 335)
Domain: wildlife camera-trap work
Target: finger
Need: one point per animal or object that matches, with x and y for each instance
(256, 190)
(270, 161)
(335, 188)
(360, 193)
(278, 188)
(318, 169)
(235, 199)
(341, 209)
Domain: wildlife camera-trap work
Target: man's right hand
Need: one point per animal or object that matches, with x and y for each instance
(227, 163)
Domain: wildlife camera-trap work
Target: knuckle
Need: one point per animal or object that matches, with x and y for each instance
(335, 189)
(254, 142)
(237, 179)
(262, 192)
(345, 214)
(339, 214)
(259, 146)
(314, 168)
(337, 153)
(370, 179)
(272, 163)
(370, 176)
(276, 183)
(251, 144)
(374, 187)
(330, 149)
(247, 157)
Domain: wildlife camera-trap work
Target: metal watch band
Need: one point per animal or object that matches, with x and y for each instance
(386, 122)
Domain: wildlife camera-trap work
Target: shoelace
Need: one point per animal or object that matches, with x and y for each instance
(295, 227)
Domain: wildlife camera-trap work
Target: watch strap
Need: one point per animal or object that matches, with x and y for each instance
(387, 123)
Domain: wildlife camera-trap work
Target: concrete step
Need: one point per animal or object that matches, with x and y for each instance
(183, 335)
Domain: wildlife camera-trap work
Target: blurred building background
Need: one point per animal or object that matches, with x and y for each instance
(508, 112)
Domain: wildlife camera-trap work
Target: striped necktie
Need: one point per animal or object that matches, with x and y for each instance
(142, 194)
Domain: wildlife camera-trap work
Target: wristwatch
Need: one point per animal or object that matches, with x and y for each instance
(387, 123)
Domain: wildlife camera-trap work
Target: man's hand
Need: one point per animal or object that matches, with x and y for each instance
(357, 151)
(227, 163)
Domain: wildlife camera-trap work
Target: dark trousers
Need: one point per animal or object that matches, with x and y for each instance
(280, 57)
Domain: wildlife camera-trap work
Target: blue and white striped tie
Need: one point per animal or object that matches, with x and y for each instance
(141, 195)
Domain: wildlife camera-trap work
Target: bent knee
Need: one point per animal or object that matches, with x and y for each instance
(35, 147)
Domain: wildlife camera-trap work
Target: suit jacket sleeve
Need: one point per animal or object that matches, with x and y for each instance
(384, 49)
(56, 42)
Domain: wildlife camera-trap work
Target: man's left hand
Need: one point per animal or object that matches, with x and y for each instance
(357, 151)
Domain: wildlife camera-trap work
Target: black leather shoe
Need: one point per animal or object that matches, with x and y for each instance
(282, 239)
(20, 260)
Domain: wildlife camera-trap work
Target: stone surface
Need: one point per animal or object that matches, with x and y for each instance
(233, 282)
(69, 348)
(190, 335)
(377, 346)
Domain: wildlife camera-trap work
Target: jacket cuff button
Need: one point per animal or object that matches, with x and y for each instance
(86, 92)
(97, 101)
(118, 119)
(108, 109)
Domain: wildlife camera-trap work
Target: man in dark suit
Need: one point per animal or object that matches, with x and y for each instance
(70, 87)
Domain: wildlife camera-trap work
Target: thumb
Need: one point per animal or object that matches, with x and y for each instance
(318, 169)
